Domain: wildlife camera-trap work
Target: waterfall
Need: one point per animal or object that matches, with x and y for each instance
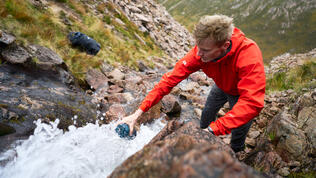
(89, 151)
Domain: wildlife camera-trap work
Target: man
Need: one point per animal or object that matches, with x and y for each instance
(235, 64)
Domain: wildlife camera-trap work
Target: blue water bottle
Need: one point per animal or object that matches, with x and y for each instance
(123, 131)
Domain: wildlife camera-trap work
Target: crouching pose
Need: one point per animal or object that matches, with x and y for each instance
(235, 64)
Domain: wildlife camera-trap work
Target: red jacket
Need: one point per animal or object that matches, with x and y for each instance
(239, 72)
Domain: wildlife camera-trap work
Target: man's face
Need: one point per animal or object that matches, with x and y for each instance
(209, 51)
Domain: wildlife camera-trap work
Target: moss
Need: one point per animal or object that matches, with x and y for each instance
(73, 109)
(3, 105)
(6, 129)
(303, 175)
(17, 120)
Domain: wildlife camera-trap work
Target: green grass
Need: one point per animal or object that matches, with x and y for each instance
(45, 27)
(296, 78)
(271, 136)
(258, 25)
(303, 175)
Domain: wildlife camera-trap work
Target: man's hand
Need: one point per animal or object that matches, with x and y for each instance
(131, 120)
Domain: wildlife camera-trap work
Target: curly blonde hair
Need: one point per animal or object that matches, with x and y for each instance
(218, 28)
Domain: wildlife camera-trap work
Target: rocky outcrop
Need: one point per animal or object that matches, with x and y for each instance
(184, 152)
(153, 19)
(287, 61)
(41, 89)
(282, 138)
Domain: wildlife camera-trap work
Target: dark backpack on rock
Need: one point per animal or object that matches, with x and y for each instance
(84, 42)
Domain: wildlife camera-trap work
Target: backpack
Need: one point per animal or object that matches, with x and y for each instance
(84, 42)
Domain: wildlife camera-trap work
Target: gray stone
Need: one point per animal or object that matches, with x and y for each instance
(16, 55)
(45, 55)
(254, 134)
(6, 39)
(285, 171)
(290, 138)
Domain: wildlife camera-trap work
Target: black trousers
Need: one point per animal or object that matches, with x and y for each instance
(215, 100)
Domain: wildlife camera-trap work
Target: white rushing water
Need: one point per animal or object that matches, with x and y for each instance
(89, 151)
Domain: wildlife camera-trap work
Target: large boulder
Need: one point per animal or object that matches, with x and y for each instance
(186, 152)
(28, 94)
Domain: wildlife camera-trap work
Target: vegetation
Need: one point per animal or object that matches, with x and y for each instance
(275, 29)
(297, 78)
(303, 175)
(45, 27)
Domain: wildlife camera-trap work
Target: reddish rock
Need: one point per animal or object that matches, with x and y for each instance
(152, 114)
(115, 98)
(186, 152)
(115, 112)
(115, 89)
(170, 105)
(96, 79)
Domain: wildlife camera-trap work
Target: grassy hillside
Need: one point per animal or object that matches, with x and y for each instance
(278, 26)
(303, 76)
(44, 26)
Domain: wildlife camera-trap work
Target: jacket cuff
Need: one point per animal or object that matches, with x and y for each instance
(214, 128)
(143, 107)
(210, 130)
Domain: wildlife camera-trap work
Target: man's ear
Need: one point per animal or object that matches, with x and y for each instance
(226, 44)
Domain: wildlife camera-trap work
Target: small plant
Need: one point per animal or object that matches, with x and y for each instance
(272, 136)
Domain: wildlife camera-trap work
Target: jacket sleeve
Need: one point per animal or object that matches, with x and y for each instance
(183, 68)
(251, 89)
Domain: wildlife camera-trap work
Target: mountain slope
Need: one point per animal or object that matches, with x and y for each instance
(278, 26)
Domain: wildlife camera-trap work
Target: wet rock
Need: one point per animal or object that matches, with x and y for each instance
(170, 105)
(115, 112)
(16, 55)
(6, 129)
(152, 114)
(186, 152)
(33, 94)
(171, 127)
(66, 77)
